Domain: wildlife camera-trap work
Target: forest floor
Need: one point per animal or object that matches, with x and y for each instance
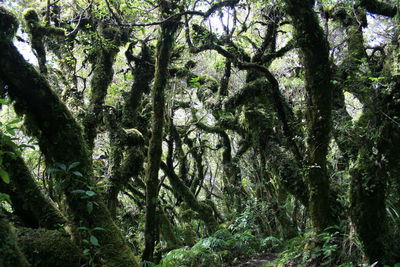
(258, 260)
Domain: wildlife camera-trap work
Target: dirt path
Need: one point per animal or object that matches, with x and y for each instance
(256, 260)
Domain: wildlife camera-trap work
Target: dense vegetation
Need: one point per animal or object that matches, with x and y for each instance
(199, 133)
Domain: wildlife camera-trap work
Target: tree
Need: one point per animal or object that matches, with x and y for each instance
(268, 119)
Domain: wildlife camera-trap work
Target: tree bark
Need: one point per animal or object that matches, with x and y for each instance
(164, 47)
(311, 39)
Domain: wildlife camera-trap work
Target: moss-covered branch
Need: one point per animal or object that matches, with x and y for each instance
(205, 211)
(28, 202)
(379, 7)
(37, 32)
(106, 49)
(164, 48)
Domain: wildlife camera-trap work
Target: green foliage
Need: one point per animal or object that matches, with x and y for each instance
(311, 248)
(194, 82)
(199, 255)
(7, 135)
(91, 244)
(247, 220)
(4, 176)
(4, 198)
(220, 248)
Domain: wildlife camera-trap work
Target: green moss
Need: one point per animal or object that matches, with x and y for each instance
(10, 254)
(209, 82)
(45, 248)
(167, 231)
(8, 24)
(31, 15)
(29, 203)
(60, 140)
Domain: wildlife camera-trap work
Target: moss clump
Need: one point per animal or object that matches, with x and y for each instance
(48, 248)
(30, 15)
(10, 254)
(8, 24)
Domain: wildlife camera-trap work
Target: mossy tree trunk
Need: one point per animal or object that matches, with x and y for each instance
(313, 44)
(372, 143)
(106, 50)
(28, 202)
(126, 129)
(164, 47)
(60, 140)
(204, 210)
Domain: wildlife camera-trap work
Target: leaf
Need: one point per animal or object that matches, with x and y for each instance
(89, 207)
(26, 146)
(78, 191)
(61, 166)
(52, 170)
(94, 240)
(90, 193)
(78, 173)
(14, 121)
(4, 176)
(86, 251)
(10, 130)
(5, 197)
(99, 229)
(73, 165)
(3, 101)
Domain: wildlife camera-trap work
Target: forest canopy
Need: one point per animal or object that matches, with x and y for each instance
(199, 133)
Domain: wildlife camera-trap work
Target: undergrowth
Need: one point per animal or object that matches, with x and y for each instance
(223, 247)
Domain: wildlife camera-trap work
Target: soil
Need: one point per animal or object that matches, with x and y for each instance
(255, 260)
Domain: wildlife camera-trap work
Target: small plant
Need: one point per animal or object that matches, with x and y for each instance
(311, 248)
(270, 244)
(88, 196)
(92, 245)
(221, 247)
(61, 167)
(247, 220)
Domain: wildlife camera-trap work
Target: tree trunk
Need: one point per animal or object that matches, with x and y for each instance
(28, 202)
(60, 140)
(164, 48)
(314, 46)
